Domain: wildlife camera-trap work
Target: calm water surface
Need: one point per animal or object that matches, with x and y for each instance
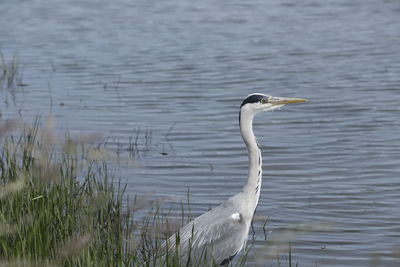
(180, 70)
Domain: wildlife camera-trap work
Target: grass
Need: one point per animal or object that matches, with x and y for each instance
(54, 212)
(60, 207)
(10, 73)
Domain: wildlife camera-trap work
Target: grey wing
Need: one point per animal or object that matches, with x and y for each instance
(222, 231)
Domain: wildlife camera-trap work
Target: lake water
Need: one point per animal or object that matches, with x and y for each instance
(176, 71)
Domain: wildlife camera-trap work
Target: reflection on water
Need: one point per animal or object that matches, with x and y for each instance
(180, 70)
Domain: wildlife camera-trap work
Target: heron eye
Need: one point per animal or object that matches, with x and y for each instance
(264, 100)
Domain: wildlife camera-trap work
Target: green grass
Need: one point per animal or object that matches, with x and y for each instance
(59, 206)
(54, 212)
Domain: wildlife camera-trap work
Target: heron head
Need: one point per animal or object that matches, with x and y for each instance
(256, 103)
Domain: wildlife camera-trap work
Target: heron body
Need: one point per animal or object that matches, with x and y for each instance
(222, 232)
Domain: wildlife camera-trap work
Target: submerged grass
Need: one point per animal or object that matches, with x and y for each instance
(10, 73)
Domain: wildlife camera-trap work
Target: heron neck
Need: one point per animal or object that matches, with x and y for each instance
(253, 185)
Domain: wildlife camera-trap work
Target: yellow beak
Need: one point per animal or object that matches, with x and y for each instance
(286, 100)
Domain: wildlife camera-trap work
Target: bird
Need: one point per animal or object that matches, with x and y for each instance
(222, 232)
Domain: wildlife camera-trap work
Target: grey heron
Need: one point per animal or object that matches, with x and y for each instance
(222, 232)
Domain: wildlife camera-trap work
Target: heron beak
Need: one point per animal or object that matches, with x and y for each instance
(286, 100)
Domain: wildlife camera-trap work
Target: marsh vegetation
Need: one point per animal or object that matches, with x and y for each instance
(60, 205)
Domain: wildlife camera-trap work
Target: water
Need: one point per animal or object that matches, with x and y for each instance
(180, 70)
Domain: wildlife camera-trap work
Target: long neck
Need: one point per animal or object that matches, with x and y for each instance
(253, 185)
